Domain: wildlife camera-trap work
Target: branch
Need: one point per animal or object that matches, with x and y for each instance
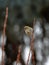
(4, 30)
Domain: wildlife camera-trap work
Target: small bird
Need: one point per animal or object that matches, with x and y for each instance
(28, 30)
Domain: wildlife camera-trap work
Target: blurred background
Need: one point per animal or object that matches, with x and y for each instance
(22, 13)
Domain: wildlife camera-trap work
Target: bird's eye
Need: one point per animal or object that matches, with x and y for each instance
(28, 33)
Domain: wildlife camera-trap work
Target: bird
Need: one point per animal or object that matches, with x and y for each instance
(29, 31)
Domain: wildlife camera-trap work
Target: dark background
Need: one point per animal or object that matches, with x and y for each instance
(20, 14)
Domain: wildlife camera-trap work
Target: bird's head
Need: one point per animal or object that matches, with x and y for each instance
(28, 30)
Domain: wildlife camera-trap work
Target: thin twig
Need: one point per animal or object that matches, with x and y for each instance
(32, 44)
(4, 30)
(19, 54)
